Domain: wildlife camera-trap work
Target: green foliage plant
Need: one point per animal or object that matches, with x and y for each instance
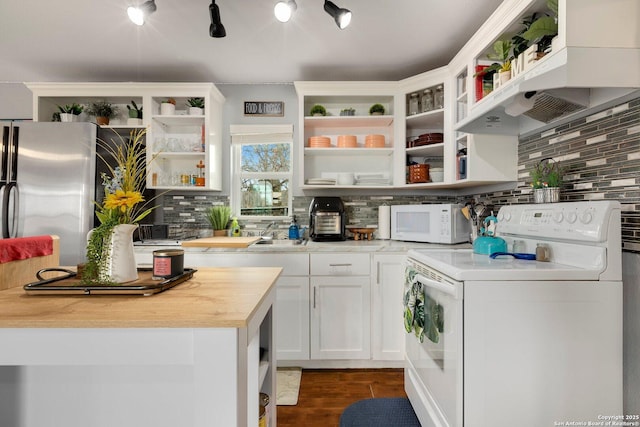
(546, 173)
(376, 108)
(543, 29)
(74, 109)
(195, 102)
(218, 216)
(135, 112)
(102, 109)
(318, 109)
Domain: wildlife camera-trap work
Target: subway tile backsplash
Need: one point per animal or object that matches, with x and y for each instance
(599, 153)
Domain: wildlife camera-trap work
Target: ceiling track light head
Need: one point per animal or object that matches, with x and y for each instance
(138, 14)
(341, 16)
(284, 9)
(216, 29)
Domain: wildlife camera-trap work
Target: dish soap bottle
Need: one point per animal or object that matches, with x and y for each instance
(235, 227)
(294, 230)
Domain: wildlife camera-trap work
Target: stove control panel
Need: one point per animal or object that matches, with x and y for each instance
(583, 221)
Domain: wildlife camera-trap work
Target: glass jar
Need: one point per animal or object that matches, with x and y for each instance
(427, 100)
(438, 98)
(414, 104)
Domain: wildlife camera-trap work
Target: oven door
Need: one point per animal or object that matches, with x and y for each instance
(433, 374)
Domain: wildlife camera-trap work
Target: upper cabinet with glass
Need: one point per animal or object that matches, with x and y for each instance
(549, 62)
(348, 135)
(183, 122)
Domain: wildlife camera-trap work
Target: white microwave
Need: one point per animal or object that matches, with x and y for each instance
(437, 223)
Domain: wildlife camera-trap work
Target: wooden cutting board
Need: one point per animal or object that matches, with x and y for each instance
(221, 242)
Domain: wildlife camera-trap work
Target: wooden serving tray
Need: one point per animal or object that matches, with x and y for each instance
(69, 284)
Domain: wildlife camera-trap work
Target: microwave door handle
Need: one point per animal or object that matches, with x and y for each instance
(446, 288)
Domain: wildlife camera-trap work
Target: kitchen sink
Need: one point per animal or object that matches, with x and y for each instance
(280, 242)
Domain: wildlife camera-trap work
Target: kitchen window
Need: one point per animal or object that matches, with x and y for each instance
(262, 170)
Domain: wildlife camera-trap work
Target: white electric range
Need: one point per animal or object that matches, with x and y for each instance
(510, 342)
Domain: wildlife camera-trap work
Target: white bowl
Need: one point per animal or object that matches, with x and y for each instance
(436, 174)
(346, 178)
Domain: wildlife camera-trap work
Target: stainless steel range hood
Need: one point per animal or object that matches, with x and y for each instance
(567, 81)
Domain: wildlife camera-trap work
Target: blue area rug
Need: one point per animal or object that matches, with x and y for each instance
(380, 412)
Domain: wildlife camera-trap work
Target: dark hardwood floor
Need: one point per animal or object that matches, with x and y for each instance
(325, 393)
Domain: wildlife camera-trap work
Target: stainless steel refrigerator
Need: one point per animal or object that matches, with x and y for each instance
(47, 183)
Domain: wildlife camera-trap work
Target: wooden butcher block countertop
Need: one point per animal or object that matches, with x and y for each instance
(213, 298)
(220, 242)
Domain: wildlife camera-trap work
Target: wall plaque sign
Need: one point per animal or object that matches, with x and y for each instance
(264, 108)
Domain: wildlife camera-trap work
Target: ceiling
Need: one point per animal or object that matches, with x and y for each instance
(93, 40)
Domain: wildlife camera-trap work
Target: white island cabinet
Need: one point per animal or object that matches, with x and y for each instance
(196, 355)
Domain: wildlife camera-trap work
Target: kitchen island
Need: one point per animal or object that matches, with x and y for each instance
(195, 355)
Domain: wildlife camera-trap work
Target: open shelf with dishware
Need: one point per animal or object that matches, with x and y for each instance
(177, 141)
(352, 145)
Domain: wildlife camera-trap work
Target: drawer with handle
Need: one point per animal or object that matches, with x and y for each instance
(340, 264)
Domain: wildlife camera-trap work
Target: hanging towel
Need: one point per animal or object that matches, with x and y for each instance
(422, 314)
(25, 247)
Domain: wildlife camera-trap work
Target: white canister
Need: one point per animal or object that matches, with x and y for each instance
(167, 109)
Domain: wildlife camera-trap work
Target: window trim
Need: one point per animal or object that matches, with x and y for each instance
(252, 135)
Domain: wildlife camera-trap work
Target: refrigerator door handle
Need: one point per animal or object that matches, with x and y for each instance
(13, 163)
(13, 204)
(4, 172)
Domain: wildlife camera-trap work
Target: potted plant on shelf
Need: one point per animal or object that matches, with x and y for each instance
(70, 113)
(376, 110)
(219, 217)
(348, 112)
(318, 110)
(502, 52)
(546, 178)
(542, 30)
(135, 114)
(196, 106)
(168, 107)
(103, 111)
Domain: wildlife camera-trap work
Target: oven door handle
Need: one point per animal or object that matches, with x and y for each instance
(447, 288)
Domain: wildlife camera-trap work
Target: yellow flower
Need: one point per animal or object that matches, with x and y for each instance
(122, 199)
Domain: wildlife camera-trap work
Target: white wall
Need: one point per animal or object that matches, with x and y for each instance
(233, 114)
(16, 101)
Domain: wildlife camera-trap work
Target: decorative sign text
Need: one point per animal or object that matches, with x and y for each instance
(264, 109)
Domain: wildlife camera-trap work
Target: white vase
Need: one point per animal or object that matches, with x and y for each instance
(118, 262)
(167, 109)
(505, 76)
(68, 117)
(195, 111)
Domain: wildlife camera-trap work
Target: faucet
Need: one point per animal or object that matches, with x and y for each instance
(267, 228)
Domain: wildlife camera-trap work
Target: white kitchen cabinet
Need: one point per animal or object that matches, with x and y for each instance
(176, 143)
(578, 64)
(292, 294)
(435, 119)
(340, 306)
(292, 318)
(184, 150)
(387, 325)
(373, 167)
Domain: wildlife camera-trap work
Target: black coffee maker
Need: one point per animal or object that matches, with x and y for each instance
(327, 219)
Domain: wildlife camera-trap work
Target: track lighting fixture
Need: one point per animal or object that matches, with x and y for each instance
(341, 16)
(284, 9)
(138, 14)
(216, 29)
